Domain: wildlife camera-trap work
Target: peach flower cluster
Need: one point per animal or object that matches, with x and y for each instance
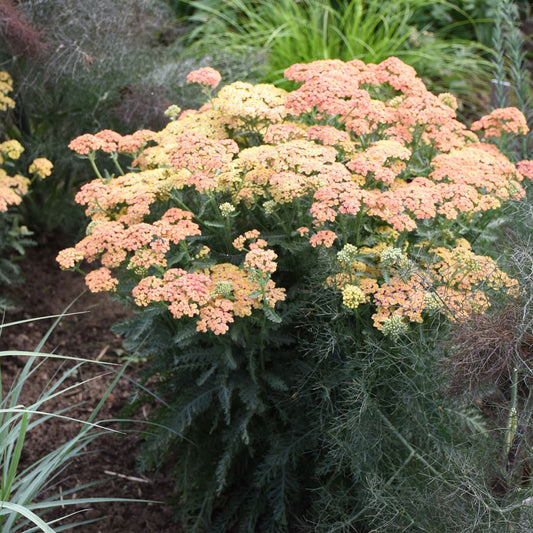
(205, 76)
(109, 141)
(507, 119)
(359, 160)
(196, 294)
(139, 245)
(12, 189)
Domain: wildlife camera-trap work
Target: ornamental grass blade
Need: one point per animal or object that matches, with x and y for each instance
(15, 458)
(24, 511)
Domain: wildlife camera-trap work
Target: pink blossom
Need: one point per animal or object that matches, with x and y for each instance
(205, 76)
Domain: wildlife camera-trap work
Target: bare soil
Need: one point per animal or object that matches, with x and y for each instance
(46, 290)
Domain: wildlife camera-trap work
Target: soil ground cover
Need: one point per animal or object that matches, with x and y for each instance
(46, 290)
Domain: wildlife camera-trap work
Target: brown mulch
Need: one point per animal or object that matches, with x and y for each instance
(46, 290)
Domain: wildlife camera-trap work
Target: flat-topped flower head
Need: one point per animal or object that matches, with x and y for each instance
(248, 106)
(397, 74)
(394, 326)
(394, 257)
(306, 71)
(384, 160)
(328, 135)
(348, 254)
(480, 168)
(507, 119)
(12, 189)
(41, 167)
(216, 317)
(69, 258)
(226, 209)
(86, 144)
(433, 302)
(224, 289)
(287, 131)
(110, 140)
(201, 157)
(353, 296)
(262, 260)
(205, 76)
(324, 238)
(449, 99)
(101, 280)
(173, 112)
(525, 167)
(11, 149)
(131, 144)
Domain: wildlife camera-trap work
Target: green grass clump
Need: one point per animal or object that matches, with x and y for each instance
(297, 32)
(23, 506)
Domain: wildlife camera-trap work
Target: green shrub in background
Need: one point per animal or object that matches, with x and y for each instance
(295, 258)
(290, 32)
(467, 19)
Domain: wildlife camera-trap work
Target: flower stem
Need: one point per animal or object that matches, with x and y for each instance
(95, 168)
(512, 419)
(114, 157)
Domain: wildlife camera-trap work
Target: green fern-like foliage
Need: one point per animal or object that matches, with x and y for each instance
(232, 417)
(318, 427)
(14, 239)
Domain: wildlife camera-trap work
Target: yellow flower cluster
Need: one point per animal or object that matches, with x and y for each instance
(257, 106)
(11, 149)
(14, 187)
(41, 168)
(352, 296)
(6, 86)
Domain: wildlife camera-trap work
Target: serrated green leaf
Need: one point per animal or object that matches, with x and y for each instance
(213, 224)
(232, 364)
(206, 375)
(272, 315)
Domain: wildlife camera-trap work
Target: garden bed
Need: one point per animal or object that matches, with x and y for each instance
(311, 265)
(47, 290)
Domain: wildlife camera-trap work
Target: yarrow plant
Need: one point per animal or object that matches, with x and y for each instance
(360, 184)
